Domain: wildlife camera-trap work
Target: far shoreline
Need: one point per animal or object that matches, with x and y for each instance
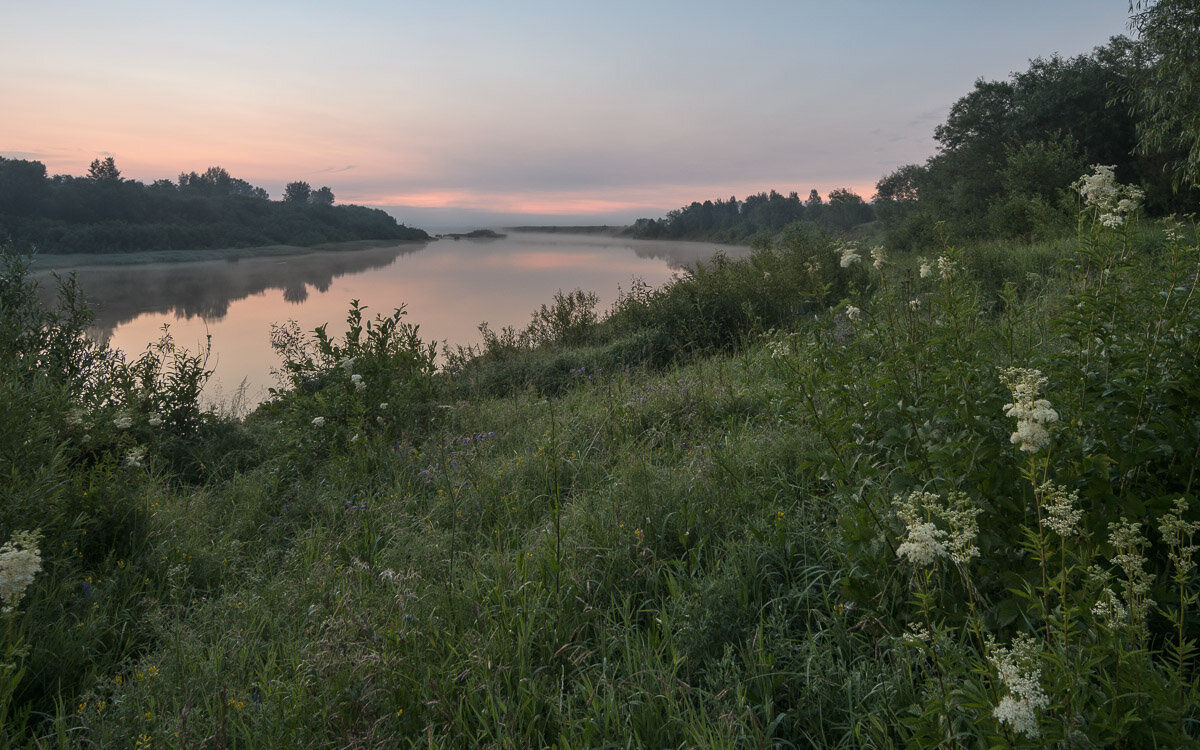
(44, 261)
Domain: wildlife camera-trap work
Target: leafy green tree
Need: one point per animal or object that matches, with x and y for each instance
(1036, 201)
(979, 118)
(1009, 148)
(322, 196)
(104, 171)
(297, 192)
(216, 181)
(21, 184)
(847, 209)
(1169, 102)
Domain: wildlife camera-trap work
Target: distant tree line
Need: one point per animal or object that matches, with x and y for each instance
(762, 213)
(1010, 150)
(103, 212)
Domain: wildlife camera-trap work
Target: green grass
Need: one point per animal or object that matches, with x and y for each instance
(670, 526)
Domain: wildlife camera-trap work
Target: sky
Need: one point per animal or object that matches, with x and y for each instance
(451, 113)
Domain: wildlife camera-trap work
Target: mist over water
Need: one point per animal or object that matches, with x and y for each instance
(447, 287)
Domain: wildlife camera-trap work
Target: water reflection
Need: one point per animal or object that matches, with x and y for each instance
(447, 288)
(205, 289)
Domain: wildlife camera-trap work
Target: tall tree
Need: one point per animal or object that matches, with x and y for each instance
(297, 192)
(1169, 102)
(322, 196)
(104, 171)
(847, 209)
(21, 184)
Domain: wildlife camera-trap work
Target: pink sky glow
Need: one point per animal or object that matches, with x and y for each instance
(615, 110)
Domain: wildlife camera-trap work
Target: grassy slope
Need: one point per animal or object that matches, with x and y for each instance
(697, 555)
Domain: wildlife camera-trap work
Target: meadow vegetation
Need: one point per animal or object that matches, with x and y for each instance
(826, 496)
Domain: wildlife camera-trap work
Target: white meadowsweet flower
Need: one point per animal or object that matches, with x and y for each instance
(155, 421)
(1110, 609)
(1113, 202)
(878, 257)
(75, 417)
(1032, 413)
(926, 268)
(923, 545)
(134, 457)
(960, 515)
(946, 266)
(347, 364)
(1062, 515)
(123, 422)
(917, 632)
(924, 541)
(357, 380)
(20, 561)
(779, 348)
(384, 405)
(1020, 671)
(1126, 538)
(318, 422)
(1178, 535)
(849, 253)
(853, 313)
(1098, 188)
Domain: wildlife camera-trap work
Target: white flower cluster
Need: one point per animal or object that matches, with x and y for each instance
(1062, 515)
(779, 345)
(1110, 609)
(849, 253)
(1019, 670)
(946, 266)
(1179, 536)
(1114, 202)
(20, 561)
(878, 257)
(123, 421)
(134, 457)
(853, 313)
(924, 541)
(357, 380)
(916, 632)
(926, 268)
(1032, 413)
(1126, 538)
(923, 544)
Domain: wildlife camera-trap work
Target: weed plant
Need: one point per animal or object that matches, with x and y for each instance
(822, 497)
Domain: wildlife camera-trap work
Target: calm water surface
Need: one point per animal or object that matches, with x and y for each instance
(447, 288)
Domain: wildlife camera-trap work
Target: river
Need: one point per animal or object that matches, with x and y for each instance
(447, 287)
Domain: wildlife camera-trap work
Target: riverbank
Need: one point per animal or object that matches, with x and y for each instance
(52, 261)
(676, 525)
